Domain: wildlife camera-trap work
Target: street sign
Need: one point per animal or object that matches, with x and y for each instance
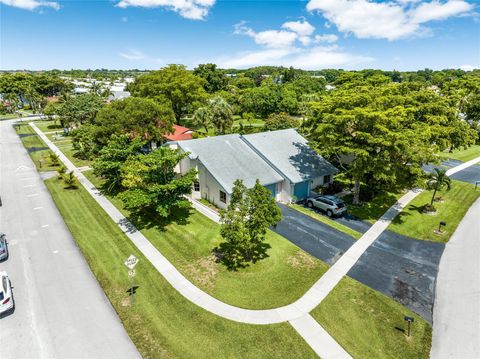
(131, 261)
(131, 273)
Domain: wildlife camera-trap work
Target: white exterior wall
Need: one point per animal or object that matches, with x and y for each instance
(210, 188)
(284, 189)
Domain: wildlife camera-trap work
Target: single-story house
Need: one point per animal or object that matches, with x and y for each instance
(281, 160)
(180, 133)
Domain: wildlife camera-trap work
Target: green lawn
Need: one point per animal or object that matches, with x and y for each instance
(463, 155)
(162, 323)
(371, 211)
(48, 126)
(31, 141)
(455, 203)
(314, 214)
(370, 325)
(278, 280)
(8, 116)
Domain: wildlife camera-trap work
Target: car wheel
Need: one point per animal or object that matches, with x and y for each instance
(309, 204)
(329, 213)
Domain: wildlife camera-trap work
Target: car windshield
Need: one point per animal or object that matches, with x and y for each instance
(1, 296)
(340, 205)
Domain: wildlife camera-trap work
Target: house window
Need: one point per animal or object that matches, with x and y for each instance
(196, 186)
(327, 179)
(223, 197)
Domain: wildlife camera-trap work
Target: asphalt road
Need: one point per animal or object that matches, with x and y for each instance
(470, 174)
(400, 267)
(61, 311)
(314, 237)
(456, 316)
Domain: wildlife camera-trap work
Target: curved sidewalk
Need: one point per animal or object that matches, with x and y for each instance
(311, 299)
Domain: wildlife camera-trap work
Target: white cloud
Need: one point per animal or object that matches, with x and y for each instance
(330, 38)
(302, 27)
(305, 58)
(390, 20)
(190, 9)
(269, 38)
(31, 4)
(469, 67)
(282, 48)
(133, 55)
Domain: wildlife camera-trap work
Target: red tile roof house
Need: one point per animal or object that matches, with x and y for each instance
(180, 133)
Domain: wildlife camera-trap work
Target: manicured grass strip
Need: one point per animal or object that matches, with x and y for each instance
(369, 325)
(312, 213)
(463, 155)
(371, 211)
(281, 278)
(162, 323)
(33, 141)
(455, 203)
(8, 116)
(48, 126)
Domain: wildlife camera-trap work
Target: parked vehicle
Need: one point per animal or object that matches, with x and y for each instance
(3, 247)
(6, 296)
(330, 204)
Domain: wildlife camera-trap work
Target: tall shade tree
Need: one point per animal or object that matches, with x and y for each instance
(136, 117)
(152, 186)
(388, 131)
(280, 121)
(175, 85)
(215, 79)
(77, 110)
(221, 114)
(437, 180)
(245, 222)
(112, 157)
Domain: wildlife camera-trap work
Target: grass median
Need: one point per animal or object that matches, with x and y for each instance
(162, 323)
(451, 208)
(281, 278)
(36, 148)
(463, 155)
(370, 325)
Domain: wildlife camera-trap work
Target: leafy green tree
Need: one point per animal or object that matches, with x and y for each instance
(437, 180)
(216, 80)
(137, 117)
(85, 141)
(79, 109)
(245, 222)
(388, 131)
(113, 156)
(202, 118)
(221, 114)
(280, 121)
(174, 85)
(152, 186)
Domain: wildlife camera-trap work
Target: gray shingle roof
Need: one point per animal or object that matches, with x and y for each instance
(229, 158)
(289, 153)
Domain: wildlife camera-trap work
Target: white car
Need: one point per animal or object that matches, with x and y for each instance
(3, 247)
(6, 296)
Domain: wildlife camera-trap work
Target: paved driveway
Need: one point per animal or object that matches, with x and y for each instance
(402, 268)
(470, 174)
(61, 311)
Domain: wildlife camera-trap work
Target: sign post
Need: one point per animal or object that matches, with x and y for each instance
(131, 262)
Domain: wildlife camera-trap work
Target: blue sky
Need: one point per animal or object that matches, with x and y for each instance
(314, 34)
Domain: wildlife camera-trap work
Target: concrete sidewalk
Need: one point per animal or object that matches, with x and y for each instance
(298, 309)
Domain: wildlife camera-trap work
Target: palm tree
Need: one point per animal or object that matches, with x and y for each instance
(221, 114)
(70, 180)
(201, 117)
(54, 159)
(61, 171)
(437, 180)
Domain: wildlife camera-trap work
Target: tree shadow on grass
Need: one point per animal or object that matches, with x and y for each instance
(403, 215)
(234, 258)
(150, 219)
